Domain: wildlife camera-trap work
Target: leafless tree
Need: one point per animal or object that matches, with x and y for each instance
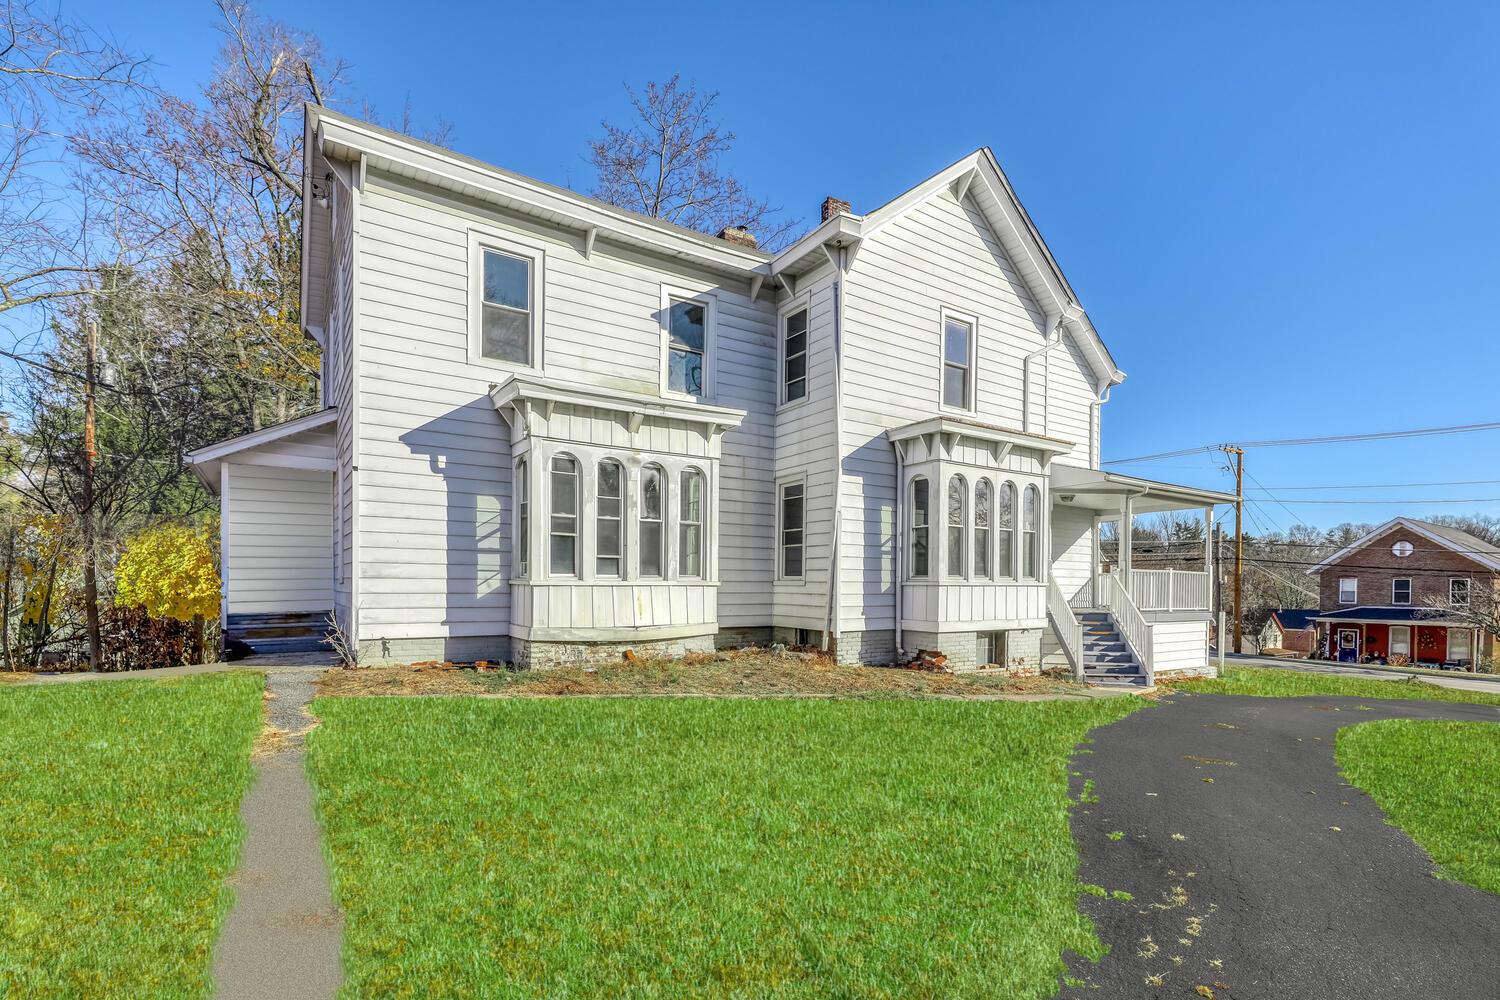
(1481, 611)
(666, 163)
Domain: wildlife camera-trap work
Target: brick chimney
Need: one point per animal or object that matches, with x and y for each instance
(739, 236)
(834, 206)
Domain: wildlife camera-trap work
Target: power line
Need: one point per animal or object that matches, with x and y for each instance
(1382, 486)
(1408, 500)
(1328, 439)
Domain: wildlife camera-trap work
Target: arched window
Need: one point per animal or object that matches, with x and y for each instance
(690, 526)
(919, 517)
(609, 520)
(523, 519)
(564, 526)
(1030, 545)
(1005, 532)
(984, 516)
(653, 486)
(958, 499)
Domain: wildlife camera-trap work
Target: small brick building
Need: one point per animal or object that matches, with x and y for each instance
(1400, 593)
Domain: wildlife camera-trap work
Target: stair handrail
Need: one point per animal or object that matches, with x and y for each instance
(1067, 626)
(1133, 625)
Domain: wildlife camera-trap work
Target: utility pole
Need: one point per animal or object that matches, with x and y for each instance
(90, 456)
(1238, 455)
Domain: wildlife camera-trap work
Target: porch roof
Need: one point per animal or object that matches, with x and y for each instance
(206, 461)
(1096, 489)
(952, 427)
(1374, 615)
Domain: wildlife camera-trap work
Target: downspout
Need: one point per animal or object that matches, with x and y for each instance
(1051, 340)
(831, 629)
(899, 534)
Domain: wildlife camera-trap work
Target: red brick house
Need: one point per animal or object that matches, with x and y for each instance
(1390, 596)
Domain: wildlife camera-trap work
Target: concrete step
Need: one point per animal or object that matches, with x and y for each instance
(298, 644)
(1110, 669)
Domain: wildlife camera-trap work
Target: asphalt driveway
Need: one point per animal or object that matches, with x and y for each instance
(1256, 872)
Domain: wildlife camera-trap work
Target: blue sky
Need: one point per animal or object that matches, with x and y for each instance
(1281, 216)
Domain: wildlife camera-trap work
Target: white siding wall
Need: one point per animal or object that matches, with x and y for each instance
(1179, 645)
(434, 459)
(280, 523)
(940, 254)
(1072, 548)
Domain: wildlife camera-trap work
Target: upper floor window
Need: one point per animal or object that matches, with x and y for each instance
(505, 308)
(1348, 590)
(564, 527)
(652, 485)
(690, 526)
(984, 516)
(687, 346)
(1402, 549)
(1030, 542)
(609, 543)
(1401, 591)
(958, 362)
(919, 516)
(794, 357)
(1458, 591)
(957, 500)
(793, 500)
(523, 517)
(1005, 534)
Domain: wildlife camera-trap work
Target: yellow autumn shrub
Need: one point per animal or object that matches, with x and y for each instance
(169, 571)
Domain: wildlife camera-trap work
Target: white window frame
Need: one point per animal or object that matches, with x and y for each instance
(781, 486)
(1468, 591)
(1468, 637)
(972, 388)
(710, 303)
(577, 515)
(664, 570)
(799, 304)
(1353, 581)
(988, 548)
(623, 518)
(481, 240)
(1037, 535)
(934, 573)
(520, 479)
(1400, 579)
(1391, 642)
(965, 567)
(702, 522)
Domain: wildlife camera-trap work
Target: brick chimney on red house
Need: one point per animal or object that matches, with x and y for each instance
(739, 236)
(834, 206)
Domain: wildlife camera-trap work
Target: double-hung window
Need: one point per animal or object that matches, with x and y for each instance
(984, 515)
(523, 516)
(1005, 536)
(958, 362)
(609, 519)
(794, 357)
(957, 501)
(1401, 590)
(793, 501)
(690, 526)
(564, 560)
(1348, 590)
(653, 486)
(1458, 591)
(919, 517)
(505, 309)
(687, 346)
(1030, 542)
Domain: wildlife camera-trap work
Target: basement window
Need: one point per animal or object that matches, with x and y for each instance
(990, 650)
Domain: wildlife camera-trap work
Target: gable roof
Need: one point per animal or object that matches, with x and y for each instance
(1294, 619)
(1454, 539)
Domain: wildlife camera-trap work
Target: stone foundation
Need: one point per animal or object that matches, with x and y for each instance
(542, 655)
(741, 636)
(1023, 649)
(876, 647)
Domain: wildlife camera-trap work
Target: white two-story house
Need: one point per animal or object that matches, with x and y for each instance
(555, 429)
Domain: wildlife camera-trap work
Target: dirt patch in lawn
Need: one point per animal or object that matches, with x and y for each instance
(751, 673)
(6, 677)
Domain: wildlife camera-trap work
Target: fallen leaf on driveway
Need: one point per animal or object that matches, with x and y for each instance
(1204, 991)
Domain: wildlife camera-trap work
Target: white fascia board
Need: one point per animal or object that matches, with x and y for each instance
(841, 230)
(266, 435)
(583, 213)
(980, 432)
(525, 388)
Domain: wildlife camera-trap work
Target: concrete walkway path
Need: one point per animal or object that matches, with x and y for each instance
(1256, 872)
(282, 936)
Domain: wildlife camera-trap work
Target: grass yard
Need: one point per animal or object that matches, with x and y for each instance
(1270, 682)
(680, 848)
(1436, 781)
(119, 819)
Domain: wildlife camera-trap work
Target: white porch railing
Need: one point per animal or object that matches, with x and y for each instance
(1131, 623)
(1067, 626)
(1169, 590)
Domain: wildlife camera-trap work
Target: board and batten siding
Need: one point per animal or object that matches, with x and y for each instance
(280, 523)
(941, 254)
(434, 465)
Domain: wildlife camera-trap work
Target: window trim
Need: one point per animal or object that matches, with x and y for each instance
(663, 541)
(1391, 641)
(1400, 579)
(710, 302)
(577, 515)
(1468, 591)
(959, 483)
(1035, 542)
(781, 487)
(1355, 589)
(971, 389)
(701, 523)
(798, 304)
(988, 547)
(911, 529)
(480, 240)
(1012, 570)
(622, 556)
(521, 539)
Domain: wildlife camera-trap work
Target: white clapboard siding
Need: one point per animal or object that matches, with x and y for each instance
(338, 391)
(280, 524)
(1179, 646)
(434, 493)
(1072, 548)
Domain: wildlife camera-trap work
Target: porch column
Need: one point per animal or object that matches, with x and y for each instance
(1127, 522)
(1208, 540)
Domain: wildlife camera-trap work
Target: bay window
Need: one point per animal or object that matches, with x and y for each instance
(564, 515)
(523, 518)
(984, 513)
(609, 519)
(1030, 542)
(652, 487)
(1005, 534)
(957, 500)
(919, 513)
(690, 525)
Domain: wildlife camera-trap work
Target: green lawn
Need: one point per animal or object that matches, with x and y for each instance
(1270, 682)
(1436, 781)
(118, 823)
(702, 848)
